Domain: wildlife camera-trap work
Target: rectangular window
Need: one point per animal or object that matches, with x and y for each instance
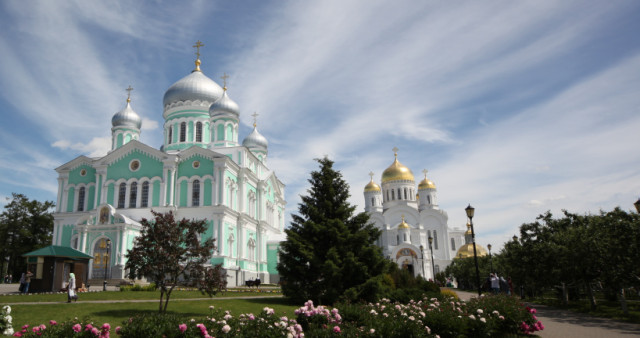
(122, 194)
(144, 199)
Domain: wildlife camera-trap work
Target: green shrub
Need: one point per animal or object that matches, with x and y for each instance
(138, 287)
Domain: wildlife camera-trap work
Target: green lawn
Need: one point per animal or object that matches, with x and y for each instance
(35, 312)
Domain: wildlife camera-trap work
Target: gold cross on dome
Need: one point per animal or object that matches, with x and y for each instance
(197, 47)
(395, 151)
(371, 174)
(224, 78)
(425, 171)
(255, 117)
(129, 93)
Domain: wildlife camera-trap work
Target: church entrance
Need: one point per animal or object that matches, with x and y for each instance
(407, 260)
(101, 262)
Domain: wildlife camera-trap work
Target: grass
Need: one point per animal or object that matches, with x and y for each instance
(604, 308)
(185, 303)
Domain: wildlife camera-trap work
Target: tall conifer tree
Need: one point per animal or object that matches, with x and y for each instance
(328, 250)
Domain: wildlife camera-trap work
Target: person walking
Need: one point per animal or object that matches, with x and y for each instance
(71, 288)
(495, 284)
(27, 281)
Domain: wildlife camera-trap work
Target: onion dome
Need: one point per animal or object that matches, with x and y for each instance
(403, 225)
(397, 171)
(195, 86)
(224, 105)
(426, 183)
(255, 140)
(466, 251)
(372, 186)
(126, 117)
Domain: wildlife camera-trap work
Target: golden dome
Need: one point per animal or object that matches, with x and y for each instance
(403, 225)
(468, 232)
(466, 251)
(426, 183)
(371, 186)
(397, 171)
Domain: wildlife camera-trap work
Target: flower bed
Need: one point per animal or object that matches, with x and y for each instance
(429, 317)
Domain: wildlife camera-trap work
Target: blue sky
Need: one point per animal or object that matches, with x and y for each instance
(516, 107)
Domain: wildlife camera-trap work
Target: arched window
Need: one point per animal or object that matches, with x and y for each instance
(399, 194)
(199, 132)
(435, 240)
(133, 195)
(428, 199)
(251, 250)
(393, 197)
(230, 245)
(405, 193)
(122, 194)
(195, 193)
(144, 199)
(183, 131)
(170, 135)
(437, 268)
(74, 242)
(453, 244)
(405, 237)
(373, 201)
(81, 194)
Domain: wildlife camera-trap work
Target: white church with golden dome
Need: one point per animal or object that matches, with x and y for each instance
(413, 226)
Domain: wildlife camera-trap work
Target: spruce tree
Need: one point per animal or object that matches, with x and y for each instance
(328, 250)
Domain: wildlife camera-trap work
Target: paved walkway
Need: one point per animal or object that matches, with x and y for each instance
(567, 324)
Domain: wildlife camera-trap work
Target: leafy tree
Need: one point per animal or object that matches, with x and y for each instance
(25, 225)
(171, 253)
(329, 250)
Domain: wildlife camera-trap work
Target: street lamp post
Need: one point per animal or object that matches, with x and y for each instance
(490, 259)
(433, 267)
(106, 265)
(470, 211)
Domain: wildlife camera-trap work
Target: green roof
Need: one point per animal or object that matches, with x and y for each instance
(57, 251)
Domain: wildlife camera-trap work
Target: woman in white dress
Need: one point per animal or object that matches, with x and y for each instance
(71, 288)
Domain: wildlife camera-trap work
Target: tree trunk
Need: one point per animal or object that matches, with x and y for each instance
(161, 297)
(623, 302)
(166, 301)
(592, 297)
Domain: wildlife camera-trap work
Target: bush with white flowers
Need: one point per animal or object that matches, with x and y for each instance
(5, 321)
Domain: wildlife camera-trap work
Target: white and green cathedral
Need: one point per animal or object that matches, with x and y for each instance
(202, 171)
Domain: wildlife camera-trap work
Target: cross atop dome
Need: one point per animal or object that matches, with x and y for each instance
(425, 171)
(255, 117)
(197, 47)
(371, 175)
(395, 151)
(224, 78)
(129, 93)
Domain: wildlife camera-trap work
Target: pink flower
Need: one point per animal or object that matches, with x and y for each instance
(42, 327)
(118, 328)
(336, 329)
(35, 329)
(52, 322)
(95, 331)
(226, 329)
(17, 334)
(25, 326)
(77, 328)
(182, 327)
(106, 327)
(88, 327)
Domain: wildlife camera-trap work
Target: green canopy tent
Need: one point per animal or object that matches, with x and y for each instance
(51, 266)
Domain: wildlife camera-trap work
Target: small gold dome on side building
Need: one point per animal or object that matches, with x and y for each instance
(397, 171)
(403, 225)
(466, 251)
(426, 183)
(372, 186)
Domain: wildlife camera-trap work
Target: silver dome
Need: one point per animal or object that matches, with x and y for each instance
(255, 140)
(223, 106)
(126, 118)
(195, 86)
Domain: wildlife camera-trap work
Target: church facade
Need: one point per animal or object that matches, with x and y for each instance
(413, 228)
(202, 171)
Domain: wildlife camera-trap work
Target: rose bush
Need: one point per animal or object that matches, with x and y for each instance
(428, 317)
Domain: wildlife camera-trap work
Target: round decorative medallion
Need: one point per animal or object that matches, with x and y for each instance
(83, 172)
(134, 165)
(196, 164)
